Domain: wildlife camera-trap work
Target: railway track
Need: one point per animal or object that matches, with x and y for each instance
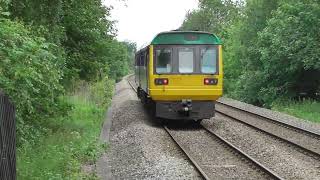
(305, 140)
(228, 149)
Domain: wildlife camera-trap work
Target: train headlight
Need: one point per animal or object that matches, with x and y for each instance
(161, 81)
(210, 81)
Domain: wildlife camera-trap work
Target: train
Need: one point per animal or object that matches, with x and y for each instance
(180, 74)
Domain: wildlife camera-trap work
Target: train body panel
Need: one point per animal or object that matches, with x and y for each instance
(186, 86)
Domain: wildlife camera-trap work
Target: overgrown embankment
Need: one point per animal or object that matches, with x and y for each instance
(71, 139)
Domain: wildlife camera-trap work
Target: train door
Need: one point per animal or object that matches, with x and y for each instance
(146, 68)
(136, 69)
(141, 66)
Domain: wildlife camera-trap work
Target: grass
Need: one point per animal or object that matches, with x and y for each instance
(71, 142)
(307, 109)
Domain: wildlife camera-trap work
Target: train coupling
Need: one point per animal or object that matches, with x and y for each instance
(186, 105)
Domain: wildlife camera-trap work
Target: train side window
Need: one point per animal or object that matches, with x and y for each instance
(186, 60)
(208, 60)
(163, 60)
(142, 60)
(147, 60)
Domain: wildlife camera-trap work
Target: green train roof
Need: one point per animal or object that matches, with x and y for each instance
(186, 37)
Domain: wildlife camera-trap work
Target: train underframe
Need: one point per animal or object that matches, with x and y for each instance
(185, 109)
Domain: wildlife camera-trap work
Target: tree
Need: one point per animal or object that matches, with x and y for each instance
(242, 56)
(212, 16)
(81, 29)
(88, 33)
(131, 49)
(289, 47)
(44, 16)
(4, 4)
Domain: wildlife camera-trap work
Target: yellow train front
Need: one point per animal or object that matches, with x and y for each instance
(180, 74)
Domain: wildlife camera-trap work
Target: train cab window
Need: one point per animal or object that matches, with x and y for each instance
(163, 62)
(186, 62)
(208, 60)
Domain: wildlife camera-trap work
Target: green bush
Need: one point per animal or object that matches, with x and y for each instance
(30, 73)
(101, 92)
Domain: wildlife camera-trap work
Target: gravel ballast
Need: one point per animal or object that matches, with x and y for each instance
(215, 158)
(139, 148)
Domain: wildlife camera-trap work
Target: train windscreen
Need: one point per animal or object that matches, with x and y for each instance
(208, 58)
(163, 57)
(186, 59)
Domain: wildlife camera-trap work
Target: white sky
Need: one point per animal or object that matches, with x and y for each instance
(140, 20)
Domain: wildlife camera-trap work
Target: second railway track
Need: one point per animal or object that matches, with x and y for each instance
(305, 140)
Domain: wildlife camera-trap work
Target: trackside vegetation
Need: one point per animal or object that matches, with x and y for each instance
(307, 109)
(70, 142)
(271, 50)
(59, 60)
(71, 139)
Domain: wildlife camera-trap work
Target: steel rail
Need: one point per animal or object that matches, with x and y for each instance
(135, 90)
(192, 160)
(233, 147)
